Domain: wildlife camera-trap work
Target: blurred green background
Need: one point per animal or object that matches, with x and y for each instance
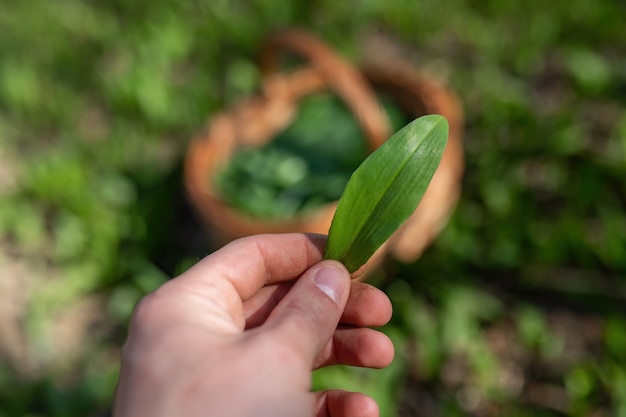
(519, 306)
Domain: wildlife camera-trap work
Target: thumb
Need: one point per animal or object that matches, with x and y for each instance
(306, 318)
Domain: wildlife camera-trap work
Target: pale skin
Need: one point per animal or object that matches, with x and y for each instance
(239, 334)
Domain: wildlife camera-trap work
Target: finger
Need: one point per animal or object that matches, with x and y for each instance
(362, 347)
(237, 271)
(249, 263)
(338, 403)
(367, 306)
(306, 318)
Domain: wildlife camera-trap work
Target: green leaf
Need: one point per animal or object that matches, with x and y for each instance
(385, 190)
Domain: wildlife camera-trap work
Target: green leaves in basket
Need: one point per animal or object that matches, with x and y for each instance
(385, 190)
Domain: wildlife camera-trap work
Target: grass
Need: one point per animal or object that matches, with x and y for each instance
(516, 309)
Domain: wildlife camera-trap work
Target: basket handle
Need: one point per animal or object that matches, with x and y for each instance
(330, 69)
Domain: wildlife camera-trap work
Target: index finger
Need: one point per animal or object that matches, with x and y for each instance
(252, 262)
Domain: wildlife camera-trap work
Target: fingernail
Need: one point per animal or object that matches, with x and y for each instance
(328, 279)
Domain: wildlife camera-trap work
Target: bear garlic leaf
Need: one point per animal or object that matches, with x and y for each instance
(385, 190)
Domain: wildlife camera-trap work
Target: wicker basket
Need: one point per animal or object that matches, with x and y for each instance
(257, 120)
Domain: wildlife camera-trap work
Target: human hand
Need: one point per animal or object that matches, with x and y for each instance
(238, 335)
